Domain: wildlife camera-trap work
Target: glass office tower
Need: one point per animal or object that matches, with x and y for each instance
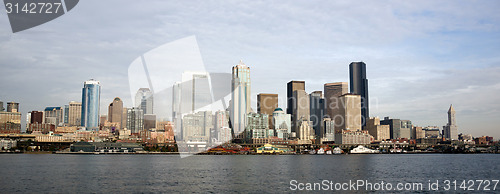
(91, 94)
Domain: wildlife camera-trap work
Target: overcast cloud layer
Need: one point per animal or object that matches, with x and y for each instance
(421, 56)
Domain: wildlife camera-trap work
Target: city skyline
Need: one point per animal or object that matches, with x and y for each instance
(441, 61)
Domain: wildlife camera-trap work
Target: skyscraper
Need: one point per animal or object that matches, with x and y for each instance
(91, 94)
(1, 106)
(349, 117)
(53, 115)
(115, 111)
(75, 113)
(317, 111)
(135, 119)
(333, 91)
(240, 97)
(144, 100)
(266, 104)
(359, 85)
(451, 129)
(301, 110)
(291, 87)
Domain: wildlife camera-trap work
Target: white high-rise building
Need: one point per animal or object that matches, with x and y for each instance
(240, 97)
(144, 100)
(451, 129)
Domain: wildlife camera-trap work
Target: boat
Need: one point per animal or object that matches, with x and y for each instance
(328, 152)
(321, 151)
(363, 150)
(337, 151)
(312, 152)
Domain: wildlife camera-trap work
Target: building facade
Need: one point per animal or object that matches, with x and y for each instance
(451, 129)
(135, 119)
(115, 111)
(91, 94)
(240, 97)
(359, 85)
(144, 100)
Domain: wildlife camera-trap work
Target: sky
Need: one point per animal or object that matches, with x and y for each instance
(421, 56)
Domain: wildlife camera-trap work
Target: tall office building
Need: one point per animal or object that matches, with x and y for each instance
(451, 129)
(66, 114)
(359, 85)
(291, 87)
(394, 127)
(75, 113)
(379, 132)
(135, 119)
(91, 94)
(144, 100)
(240, 97)
(349, 117)
(333, 91)
(266, 104)
(1, 106)
(115, 111)
(301, 110)
(36, 117)
(53, 115)
(12, 107)
(317, 111)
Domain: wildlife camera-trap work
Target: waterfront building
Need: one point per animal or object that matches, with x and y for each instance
(282, 123)
(74, 113)
(144, 100)
(317, 112)
(240, 97)
(196, 126)
(267, 103)
(115, 109)
(91, 94)
(359, 85)
(53, 115)
(379, 132)
(329, 129)
(12, 107)
(135, 119)
(353, 137)
(451, 129)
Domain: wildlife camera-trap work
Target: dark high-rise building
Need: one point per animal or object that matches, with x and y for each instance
(359, 85)
(394, 127)
(1, 106)
(36, 117)
(317, 111)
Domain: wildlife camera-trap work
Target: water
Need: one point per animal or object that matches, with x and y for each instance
(28, 173)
